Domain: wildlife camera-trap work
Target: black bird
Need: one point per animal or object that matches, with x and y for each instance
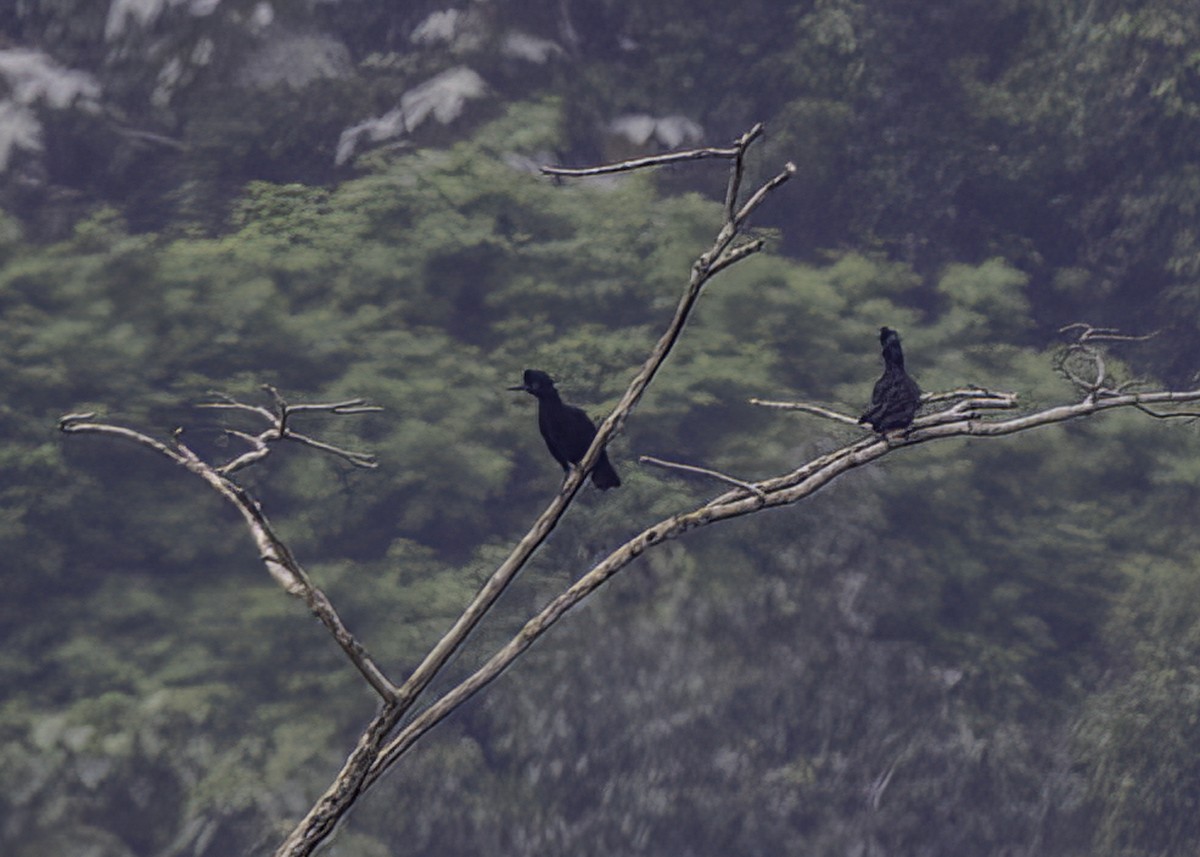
(896, 397)
(567, 430)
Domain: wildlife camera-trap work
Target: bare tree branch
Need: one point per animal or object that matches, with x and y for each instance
(968, 411)
(734, 153)
(736, 170)
(1002, 399)
(639, 163)
(782, 490)
(322, 818)
(336, 798)
(966, 400)
(734, 255)
(550, 517)
(1090, 359)
(349, 406)
(1088, 333)
(227, 402)
(759, 196)
(84, 424)
(703, 471)
(258, 451)
(1169, 415)
(279, 428)
(358, 459)
(805, 407)
(282, 565)
(278, 559)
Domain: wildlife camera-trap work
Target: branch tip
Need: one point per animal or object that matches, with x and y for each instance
(704, 471)
(67, 422)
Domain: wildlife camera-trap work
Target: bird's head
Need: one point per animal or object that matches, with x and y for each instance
(886, 334)
(536, 383)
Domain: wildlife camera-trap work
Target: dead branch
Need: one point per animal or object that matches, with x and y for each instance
(701, 273)
(734, 153)
(1003, 399)
(1169, 415)
(703, 471)
(967, 400)
(278, 559)
(805, 407)
(970, 411)
(337, 799)
(1088, 333)
(279, 429)
(369, 754)
(782, 490)
(1080, 356)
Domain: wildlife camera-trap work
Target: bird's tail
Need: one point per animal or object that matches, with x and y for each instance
(604, 476)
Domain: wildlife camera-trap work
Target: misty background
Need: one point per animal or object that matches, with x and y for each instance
(979, 647)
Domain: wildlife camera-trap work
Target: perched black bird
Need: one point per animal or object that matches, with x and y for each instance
(896, 397)
(567, 430)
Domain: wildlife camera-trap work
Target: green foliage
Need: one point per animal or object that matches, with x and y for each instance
(1136, 737)
(988, 301)
(940, 617)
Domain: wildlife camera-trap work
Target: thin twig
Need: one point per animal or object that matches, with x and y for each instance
(805, 407)
(759, 196)
(736, 153)
(83, 424)
(228, 402)
(1170, 415)
(1080, 347)
(349, 406)
(278, 428)
(737, 170)
(258, 451)
(703, 471)
(967, 400)
(1105, 334)
(358, 459)
(641, 163)
(1003, 398)
(734, 255)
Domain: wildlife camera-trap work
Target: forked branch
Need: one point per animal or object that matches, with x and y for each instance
(782, 490)
(278, 428)
(703, 471)
(370, 756)
(276, 556)
(970, 411)
(723, 253)
(1082, 362)
(702, 271)
(734, 153)
(966, 400)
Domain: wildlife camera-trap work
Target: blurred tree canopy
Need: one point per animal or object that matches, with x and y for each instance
(977, 648)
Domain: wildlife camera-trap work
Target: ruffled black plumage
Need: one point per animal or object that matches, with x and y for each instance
(896, 396)
(567, 430)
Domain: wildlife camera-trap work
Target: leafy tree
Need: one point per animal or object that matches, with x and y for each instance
(901, 659)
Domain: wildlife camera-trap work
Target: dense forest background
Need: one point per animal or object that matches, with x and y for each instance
(979, 648)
